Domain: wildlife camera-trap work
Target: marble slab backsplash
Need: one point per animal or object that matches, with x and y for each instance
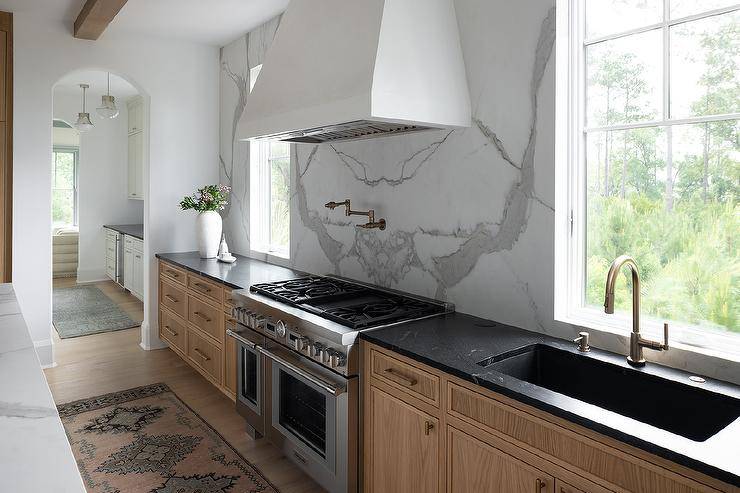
(470, 212)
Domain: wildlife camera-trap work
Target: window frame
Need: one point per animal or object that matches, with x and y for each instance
(571, 134)
(260, 227)
(75, 151)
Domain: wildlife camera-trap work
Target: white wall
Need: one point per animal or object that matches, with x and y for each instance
(102, 181)
(179, 79)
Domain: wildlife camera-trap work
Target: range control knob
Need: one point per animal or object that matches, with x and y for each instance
(318, 351)
(280, 328)
(302, 343)
(335, 358)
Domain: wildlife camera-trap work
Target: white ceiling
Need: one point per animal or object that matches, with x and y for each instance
(70, 84)
(213, 22)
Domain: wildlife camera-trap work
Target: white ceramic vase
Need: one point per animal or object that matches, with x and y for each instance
(208, 227)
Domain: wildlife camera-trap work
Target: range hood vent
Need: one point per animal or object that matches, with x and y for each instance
(342, 70)
(362, 129)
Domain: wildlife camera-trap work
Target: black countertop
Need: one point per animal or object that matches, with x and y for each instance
(135, 230)
(239, 275)
(454, 343)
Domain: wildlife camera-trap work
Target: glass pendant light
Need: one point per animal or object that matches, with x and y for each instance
(108, 107)
(83, 118)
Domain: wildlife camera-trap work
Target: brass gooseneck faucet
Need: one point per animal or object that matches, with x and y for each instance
(637, 342)
(371, 222)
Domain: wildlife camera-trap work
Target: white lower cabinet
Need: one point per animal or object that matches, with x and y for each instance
(133, 266)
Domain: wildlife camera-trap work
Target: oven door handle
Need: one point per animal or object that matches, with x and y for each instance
(241, 339)
(328, 387)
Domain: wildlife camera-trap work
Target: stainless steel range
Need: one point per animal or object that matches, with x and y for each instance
(298, 365)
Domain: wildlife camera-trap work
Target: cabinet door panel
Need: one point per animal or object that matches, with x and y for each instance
(404, 447)
(128, 269)
(476, 467)
(138, 272)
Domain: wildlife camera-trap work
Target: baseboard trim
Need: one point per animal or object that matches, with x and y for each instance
(91, 275)
(45, 352)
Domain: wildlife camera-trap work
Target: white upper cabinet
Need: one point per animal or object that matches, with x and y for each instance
(135, 148)
(135, 114)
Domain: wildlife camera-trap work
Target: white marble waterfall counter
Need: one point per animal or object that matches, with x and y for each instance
(35, 455)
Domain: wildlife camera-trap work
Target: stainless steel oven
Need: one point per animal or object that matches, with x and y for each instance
(250, 391)
(313, 417)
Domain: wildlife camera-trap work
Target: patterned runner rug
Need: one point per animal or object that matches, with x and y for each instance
(147, 440)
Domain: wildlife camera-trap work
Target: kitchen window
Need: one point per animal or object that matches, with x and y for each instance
(269, 183)
(64, 186)
(648, 153)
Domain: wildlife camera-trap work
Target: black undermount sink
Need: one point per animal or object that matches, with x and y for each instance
(685, 410)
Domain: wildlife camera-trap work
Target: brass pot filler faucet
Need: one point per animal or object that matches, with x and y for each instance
(637, 342)
(371, 222)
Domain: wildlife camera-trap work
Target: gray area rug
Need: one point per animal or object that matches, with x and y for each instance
(83, 310)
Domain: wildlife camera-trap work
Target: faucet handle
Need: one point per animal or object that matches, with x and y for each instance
(582, 341)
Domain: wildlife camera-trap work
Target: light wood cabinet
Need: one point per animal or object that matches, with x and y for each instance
(475, 466)
(491, 443)
(6, 146)
(193, 318)
(403, 447)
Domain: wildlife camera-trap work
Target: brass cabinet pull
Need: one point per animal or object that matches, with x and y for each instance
(172, 273)
(171, 298)
(202, 287)
(428, 426)
(407, 380)
(202, 316)
(201, 354)
(540, 485)
(171, 332)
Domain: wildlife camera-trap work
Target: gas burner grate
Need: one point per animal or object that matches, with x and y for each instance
(387, 310)
(346, 303)
(315, 289)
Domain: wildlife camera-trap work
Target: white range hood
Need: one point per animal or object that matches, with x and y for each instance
(351, 69)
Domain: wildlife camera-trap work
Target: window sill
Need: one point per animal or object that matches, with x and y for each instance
(272, 256)
(680, 337)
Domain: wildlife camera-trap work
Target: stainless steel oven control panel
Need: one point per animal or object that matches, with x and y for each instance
(294, 337)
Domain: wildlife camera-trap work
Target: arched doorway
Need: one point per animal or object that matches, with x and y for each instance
(100, 196)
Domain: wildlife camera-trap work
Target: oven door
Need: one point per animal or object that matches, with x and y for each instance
(308, 408)
(249, 378)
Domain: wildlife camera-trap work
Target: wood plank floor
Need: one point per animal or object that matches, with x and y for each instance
(101, 363)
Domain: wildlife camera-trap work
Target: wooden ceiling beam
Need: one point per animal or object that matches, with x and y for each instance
(95, 17)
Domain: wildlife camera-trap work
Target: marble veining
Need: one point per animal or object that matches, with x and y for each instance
(470, 212)
(34, 452)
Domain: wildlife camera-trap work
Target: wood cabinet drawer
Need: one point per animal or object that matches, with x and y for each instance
(204, 355)
(173, 298)
(172, 330)
(206, 317)
(409, 378)
(110, 268)
(171, 272)
(567, 448)
(205, 288)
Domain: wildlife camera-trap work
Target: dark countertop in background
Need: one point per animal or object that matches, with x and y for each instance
(454, 343)
(135, 230)
(239, 275)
